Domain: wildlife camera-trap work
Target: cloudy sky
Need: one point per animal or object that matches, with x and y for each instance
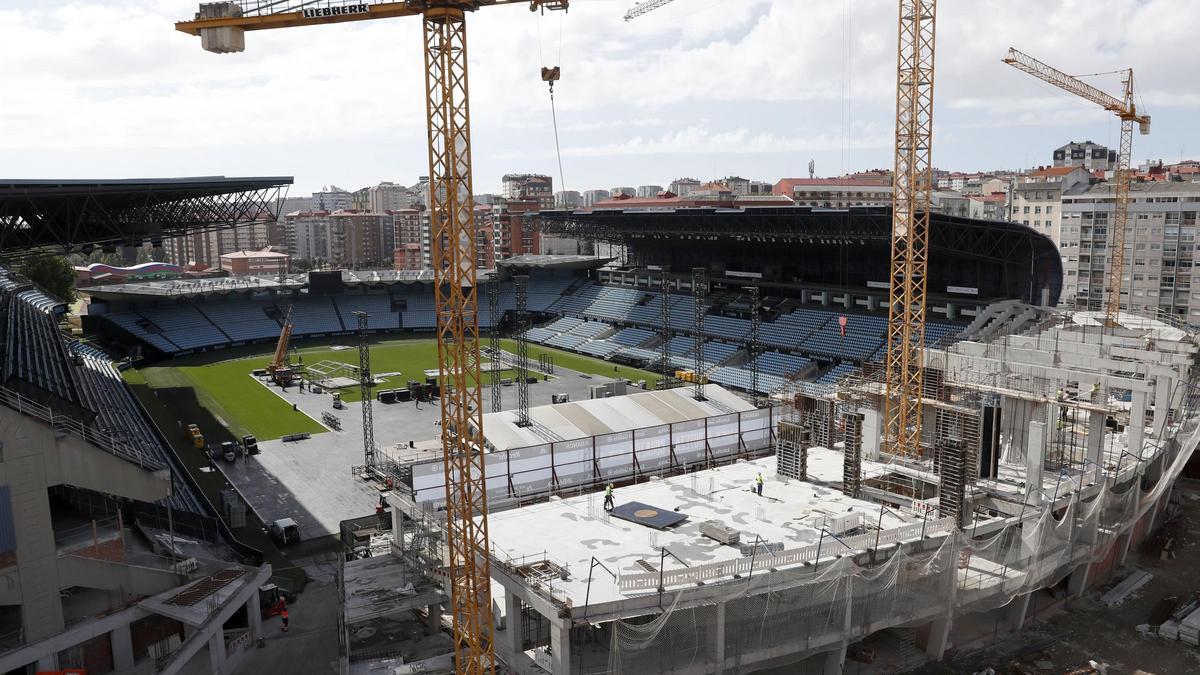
(703, 88)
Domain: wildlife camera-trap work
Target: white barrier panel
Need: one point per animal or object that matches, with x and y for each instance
(653, 447)
(573, 461)
(551, 466)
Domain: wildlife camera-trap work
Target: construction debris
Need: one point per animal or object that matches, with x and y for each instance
(1130, 584)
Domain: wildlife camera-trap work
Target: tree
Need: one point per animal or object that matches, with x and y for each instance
(53, 273)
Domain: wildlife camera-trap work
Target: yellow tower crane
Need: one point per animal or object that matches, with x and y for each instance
(221, 27)
(912, 193)
(1126, 110)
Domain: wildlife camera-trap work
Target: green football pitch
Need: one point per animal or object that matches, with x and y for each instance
(218, 386)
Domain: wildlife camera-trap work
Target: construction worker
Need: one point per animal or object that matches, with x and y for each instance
(1095, 390)
(758, 483)
(283, 616)
(608, 497)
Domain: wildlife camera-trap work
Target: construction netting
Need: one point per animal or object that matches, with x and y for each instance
(828, 603)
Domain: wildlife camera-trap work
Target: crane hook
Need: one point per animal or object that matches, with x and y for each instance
(550, 76)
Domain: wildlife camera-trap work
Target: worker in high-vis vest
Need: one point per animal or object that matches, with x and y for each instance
(608, 497)
(758, 483)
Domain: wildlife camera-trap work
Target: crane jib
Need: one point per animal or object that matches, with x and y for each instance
(319, 12)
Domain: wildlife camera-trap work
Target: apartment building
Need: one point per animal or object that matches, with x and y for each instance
(361, 240)
(590, 197)
(682, 186)
(204, 249)
(1088, 155)
(529, 186)
(835, 193)
(308, 235)
(1160, 248)
(255, 263)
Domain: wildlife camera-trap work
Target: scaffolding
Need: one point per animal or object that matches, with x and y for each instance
(753, 348)
(494, 338)
(521, 286)
(852, 455)
(668, 379)
(699, 293)
(365, 384)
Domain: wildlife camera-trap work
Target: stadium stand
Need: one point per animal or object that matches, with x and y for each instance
(599, 320)
(599, 348)
(119, 414)
(539, 335)
(420, 311)
(378, 307)
(639, 355)
(681, 345)
(314, 316)
(242, 321)
(631, 337)
(141, 328)
(744, 379)
(79, 382)
(33, 351)
(780, 364)
(184, 326)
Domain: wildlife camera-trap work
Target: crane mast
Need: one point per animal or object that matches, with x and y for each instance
(221, 27)
(912, 192)
(1126, 110)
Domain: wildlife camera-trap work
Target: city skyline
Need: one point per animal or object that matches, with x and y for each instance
(678, 89)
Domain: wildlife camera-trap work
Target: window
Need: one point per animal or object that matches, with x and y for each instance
(1037, 209)
(1049, 210)
(1026, 210)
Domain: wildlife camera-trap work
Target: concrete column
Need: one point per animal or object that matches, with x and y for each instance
(1162, 403)
(216, 652)
(939, 638)
(719, 647)
(1015, 611)
(560, 646)
(122, 648)
(513, 627)
(1015, 416)
(434, 617)
(1137, 422)
(254, 616)
(1123, 544)
(1034, 453)
(1095, 438)
(939, 630)
(835, 661)
(1077, 582)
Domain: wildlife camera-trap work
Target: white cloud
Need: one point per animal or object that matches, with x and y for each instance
(103, 88)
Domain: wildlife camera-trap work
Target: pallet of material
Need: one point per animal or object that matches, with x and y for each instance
(1189, 629)
(1130, 584)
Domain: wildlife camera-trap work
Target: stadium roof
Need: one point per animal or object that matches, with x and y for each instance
(596, 417)
(78, 215)
(836, 247)
(554, 262)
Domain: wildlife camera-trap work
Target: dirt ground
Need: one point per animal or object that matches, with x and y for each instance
(1086, 630)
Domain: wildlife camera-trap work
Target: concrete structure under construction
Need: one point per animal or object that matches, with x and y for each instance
(1050, 447)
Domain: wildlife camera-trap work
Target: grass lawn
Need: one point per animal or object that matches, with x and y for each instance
(585, 364)
(225, 389)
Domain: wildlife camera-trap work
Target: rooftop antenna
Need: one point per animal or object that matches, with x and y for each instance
(812, 169)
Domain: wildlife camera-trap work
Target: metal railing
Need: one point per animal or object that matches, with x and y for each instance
(68, 425)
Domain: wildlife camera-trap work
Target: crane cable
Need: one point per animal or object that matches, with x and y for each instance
(550, 75)
(557, 147)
